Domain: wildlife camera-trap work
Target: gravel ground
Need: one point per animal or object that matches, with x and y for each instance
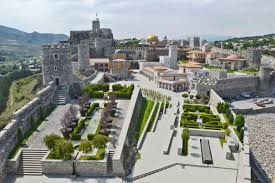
(262, 140)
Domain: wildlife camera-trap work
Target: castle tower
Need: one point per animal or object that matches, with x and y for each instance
(264, 86)
(253, 58)
(83, 57)
(56, 64)
(96, 24)
(173, 54)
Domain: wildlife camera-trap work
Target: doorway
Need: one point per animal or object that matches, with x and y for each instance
(57, 81)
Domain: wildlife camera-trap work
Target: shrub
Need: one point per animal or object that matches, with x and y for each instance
(117, 87)
(92, 108)
(198, 97)
(185, 138)
(90, 136)
(51, 140)
(85, 146)
(185, 95)
(100, 141)
(225, 126)
(239, 121)
(191, 96)
(64, 149)
(76, 136)
(227, 132)
(229, 115)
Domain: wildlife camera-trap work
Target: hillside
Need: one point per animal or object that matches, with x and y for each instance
(16, 44)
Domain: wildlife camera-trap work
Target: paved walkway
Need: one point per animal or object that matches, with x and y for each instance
(50, 125)
(156, 143)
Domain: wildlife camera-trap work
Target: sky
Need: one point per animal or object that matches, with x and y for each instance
(139, 18)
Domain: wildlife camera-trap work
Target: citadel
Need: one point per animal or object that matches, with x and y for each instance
(185, 81)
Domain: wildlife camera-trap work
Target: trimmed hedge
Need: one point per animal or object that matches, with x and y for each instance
(96, 90)
(123, 92)
(195, 108)
(92, 108)
(76, 133)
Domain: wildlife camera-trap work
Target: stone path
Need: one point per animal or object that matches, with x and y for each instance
(50, 125)
(154, 145)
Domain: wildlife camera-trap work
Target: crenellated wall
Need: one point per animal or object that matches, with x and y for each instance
(22, 121)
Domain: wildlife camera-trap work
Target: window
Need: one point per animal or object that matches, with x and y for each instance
(55, 68)
(56, 56)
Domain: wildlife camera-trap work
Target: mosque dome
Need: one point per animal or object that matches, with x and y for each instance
(233, 57)
(152, 38)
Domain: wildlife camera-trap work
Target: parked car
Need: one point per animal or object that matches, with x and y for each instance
(246, 95)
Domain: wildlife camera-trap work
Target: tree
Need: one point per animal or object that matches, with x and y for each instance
(100, 141)
(185, 95)
(191, 96)
(198, 97)
(225, 126)
(85, 146)
(239, 121)
(185, 138)
(51, 140)
(64, 149)
(227, 132)
(73, 111)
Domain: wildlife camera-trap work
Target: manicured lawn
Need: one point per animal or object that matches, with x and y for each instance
(146, 108)
(21, 92)
(230, 71)
(153, 117)
(249, 71)
(212, 67)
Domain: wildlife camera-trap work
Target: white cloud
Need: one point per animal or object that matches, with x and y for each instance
(130, 18)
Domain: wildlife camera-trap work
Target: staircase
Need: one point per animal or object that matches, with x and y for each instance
(109, 77)
(110, 163)
(60, 97)
(30, 162)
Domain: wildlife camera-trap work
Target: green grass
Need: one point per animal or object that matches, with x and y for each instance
(211, 67)
(230, 71)
(183, 61)
(146, 108)
(249, 71)
(99, 155)
(21, 92)
(153, 118)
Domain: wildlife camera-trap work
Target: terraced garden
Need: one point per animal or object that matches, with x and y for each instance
(200, 116)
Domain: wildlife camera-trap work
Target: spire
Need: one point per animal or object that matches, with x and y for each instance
(96, 15)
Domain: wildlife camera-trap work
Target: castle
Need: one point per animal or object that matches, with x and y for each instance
(58, 60)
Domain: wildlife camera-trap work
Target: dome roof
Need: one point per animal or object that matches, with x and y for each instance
(233, 57)
(152, 38)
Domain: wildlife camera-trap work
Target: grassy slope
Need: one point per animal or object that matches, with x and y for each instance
(21, 92)
(147, 106)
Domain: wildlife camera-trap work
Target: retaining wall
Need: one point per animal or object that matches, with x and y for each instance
(21, 122)
(124, 156)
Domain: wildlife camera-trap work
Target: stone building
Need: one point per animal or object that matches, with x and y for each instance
(170, 60)
(119, 69)
(194, 42)
(57, 65)
(100, 40)
(233, 62)
(196, 56)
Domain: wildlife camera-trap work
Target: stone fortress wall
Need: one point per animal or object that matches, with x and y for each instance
(83, 57)
(151, 53)
(22, 121)
(253, 56)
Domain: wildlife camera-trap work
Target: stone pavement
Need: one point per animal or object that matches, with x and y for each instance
(58, 179)
(154, 145)
(50, 125)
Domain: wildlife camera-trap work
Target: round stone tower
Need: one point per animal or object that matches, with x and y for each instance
(83, 57)
(264, 86)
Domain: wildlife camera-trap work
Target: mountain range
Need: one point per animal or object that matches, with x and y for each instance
(17, 43)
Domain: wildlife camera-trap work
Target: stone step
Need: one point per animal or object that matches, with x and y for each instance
(30, 173)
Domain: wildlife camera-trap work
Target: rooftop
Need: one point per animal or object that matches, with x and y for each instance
(191, 65)
(99, 60)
